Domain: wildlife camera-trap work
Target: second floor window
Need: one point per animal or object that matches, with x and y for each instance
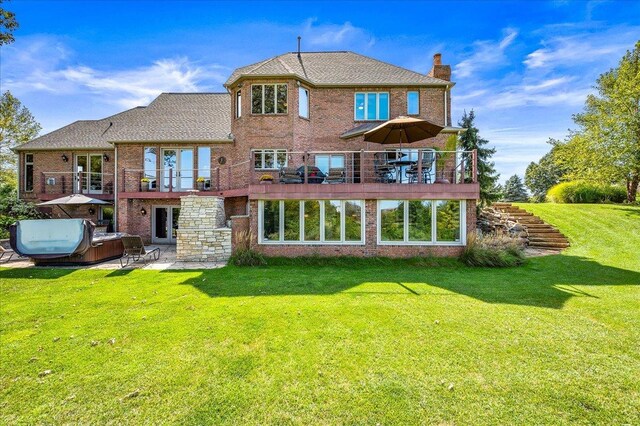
(413, 103)
(28, 172)
(269, 159)
(303, 102)
(269, 99)
(238, 104)
(371, 106)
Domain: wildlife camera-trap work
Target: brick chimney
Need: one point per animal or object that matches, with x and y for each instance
(443, 72)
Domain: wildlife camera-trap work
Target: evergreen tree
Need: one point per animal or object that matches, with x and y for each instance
(514, 189)
(487, 175)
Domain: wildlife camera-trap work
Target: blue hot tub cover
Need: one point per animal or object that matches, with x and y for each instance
(51, 238)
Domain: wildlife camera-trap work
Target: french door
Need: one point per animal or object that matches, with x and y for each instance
(164, 224)
(177, 169)
(87, 178)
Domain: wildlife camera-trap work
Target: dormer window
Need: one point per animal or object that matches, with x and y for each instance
(371, 106)
(268, 98)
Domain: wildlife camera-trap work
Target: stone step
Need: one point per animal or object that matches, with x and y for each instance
(549, 238)
(548, 244)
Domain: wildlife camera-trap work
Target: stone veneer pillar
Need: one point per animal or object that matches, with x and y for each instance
(202, 235)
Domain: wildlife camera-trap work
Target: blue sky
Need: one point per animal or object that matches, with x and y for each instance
(524, 67)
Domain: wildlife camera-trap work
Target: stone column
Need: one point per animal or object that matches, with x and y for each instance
(202, 235)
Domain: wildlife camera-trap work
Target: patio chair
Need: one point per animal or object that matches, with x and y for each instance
(427, 168)
(6, 253)
(336, 175)
(384, 172)
(134, 250)
(289, 175)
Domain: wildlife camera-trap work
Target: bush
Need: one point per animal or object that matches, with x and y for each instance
(586, 192)
(247, 257)
(12, 209)
(493, 251)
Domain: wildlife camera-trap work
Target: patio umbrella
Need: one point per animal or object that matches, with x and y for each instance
(402, 130)
(73, 200)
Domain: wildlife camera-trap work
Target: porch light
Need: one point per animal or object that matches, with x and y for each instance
(92, 211)
(105, 157)
(143, 212)
(65, 158)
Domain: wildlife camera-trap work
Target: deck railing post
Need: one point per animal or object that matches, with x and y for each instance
(420, 166)
(462, 169)
(170, 179)
(475, 166)
(362, 166)
(217, 178)
(305, 159)
(229, 176)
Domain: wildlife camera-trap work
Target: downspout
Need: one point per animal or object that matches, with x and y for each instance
(445, 105)
(115, 189)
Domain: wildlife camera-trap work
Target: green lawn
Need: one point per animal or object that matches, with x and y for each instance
(555, 341)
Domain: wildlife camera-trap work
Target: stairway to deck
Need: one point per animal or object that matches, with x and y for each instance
(541, 234)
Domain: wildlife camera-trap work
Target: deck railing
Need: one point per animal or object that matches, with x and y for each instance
(406, 166)
(60, 183)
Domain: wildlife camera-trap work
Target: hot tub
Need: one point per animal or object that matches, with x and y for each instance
(64, 242)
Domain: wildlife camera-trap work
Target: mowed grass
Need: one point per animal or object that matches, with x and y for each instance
(354, 342)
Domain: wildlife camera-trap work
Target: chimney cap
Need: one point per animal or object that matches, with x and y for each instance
(437, 59)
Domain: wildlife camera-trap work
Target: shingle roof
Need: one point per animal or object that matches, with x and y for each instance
(169, 117)
(180, 117)
(335, 68)
(83, 134)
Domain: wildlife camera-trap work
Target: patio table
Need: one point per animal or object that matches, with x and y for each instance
(400, 165)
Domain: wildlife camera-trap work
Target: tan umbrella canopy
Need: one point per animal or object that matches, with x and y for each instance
(73, 200)
(402, 130)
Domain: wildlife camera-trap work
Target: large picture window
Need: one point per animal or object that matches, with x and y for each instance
(421, 222)
(269, 99)
(312, 221)
(371, 106)
(269, 159)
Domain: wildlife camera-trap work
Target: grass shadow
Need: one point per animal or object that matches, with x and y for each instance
(545, 282)
(38, 273)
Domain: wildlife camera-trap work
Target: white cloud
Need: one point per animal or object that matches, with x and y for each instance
(42, 64)
(572, 51)
(336, 36)
(486, 54)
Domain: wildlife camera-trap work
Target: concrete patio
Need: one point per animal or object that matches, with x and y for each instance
(167, 261)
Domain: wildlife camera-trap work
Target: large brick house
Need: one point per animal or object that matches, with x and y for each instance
(298, 118)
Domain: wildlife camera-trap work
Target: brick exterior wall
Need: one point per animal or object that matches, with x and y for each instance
(331, 113)
(370, 247)
(50, 164)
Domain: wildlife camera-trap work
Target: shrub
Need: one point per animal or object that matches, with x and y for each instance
(13, 209)
(493, 251)
(586, 192)
(247, 257)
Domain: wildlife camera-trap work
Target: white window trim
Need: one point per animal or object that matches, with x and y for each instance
(308, 102)
(275, 98)
(366, 104)
(238, 103)
(275, 158)
(33, 176)
(322, 241)
(413, 91)
(433, 242)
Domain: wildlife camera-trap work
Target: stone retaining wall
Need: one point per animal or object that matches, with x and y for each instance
(202, 235)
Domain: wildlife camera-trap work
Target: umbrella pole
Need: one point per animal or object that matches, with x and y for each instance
(65, 212)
